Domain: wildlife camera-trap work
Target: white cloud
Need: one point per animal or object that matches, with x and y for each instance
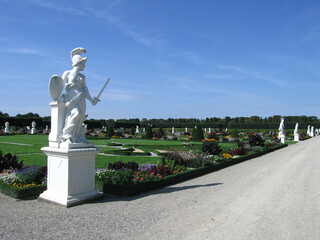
(49, 5)
(28, 51)
(237, 72)
(187, 55)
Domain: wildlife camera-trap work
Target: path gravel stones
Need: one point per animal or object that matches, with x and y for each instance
(276, 196)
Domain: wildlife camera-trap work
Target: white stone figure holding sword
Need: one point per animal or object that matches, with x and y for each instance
(75, 97)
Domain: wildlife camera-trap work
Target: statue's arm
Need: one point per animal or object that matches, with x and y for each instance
(87, 95)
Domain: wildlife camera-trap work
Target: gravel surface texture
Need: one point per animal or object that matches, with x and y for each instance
(276, 196)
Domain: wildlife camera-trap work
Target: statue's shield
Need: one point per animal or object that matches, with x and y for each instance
(55, 87)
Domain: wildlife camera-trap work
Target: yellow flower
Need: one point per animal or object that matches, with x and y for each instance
(226, 155)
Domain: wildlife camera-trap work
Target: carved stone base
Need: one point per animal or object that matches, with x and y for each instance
(296, 138)
(71, 176)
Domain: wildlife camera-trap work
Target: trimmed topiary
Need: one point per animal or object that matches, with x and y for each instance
(197, 133)
(110, 131)
(149, 133)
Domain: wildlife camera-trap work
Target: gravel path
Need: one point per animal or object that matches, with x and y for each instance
(276, 196)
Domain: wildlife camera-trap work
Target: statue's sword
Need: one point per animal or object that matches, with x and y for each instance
(102, 89)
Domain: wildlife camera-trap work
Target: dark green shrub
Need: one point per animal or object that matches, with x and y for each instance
(133, 131)
(234, 133)
(197, 134)
(211, 147)
(9, 161)
(110, 131)
(161, 132)
(116, 177)
(149, 133)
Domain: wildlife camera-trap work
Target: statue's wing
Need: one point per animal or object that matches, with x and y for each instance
(55, 87)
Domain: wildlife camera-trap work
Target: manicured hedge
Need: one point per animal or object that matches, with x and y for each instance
(21, 193)
(133, 189)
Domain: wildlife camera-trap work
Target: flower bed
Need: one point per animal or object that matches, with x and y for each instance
(133, 188)
(26, 182)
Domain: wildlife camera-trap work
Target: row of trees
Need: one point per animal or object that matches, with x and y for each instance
(253, 122)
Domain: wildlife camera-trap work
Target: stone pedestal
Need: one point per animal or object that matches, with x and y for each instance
(296, 138)
(282, 139)
(71, 176)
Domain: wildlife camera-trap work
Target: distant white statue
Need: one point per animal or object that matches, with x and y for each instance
(33, 129)
(281, 134)
(172, 130)
(308, 130)
(296, 132)
(210, 129)
(312, 131)
(186, 129)
(6, 127)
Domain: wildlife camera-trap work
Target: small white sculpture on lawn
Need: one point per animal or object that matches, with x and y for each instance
(137, 129)
(33, 129)
(186, 129)
(6, 127)
(281, 134)
(296, 132)
(172, 130)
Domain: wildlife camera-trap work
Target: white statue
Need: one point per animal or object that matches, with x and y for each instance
(281, 134)
(137, 129)
(186, 129)
(33, 129)
(308, 130)
(312, 131)
(172, 130)
(6, 127)
(296, 132)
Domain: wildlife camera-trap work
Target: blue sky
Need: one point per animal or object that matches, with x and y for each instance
(166, 59)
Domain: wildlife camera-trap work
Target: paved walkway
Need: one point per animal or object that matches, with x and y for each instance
(276, 196)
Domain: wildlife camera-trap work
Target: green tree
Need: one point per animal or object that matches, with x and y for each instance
(149, 133)
(110, 131)
(197, 133)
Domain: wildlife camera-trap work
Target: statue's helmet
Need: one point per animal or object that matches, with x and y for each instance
(76, 57)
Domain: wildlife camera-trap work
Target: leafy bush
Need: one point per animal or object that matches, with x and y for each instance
(255, 139)
(9, 161)
(110, 131)
(211, 147)
(149, 133)
(197, 134)
(123, 165)
(115, 177)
